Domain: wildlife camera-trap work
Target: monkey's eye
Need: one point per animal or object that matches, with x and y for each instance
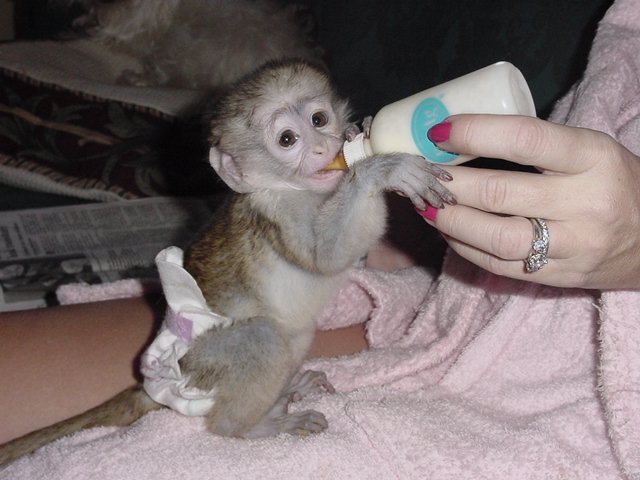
(287, 139)
(319, 119)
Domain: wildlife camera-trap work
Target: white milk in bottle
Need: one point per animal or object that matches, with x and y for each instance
(402, 126)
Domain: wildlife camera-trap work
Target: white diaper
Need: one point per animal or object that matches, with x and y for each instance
(187, 317)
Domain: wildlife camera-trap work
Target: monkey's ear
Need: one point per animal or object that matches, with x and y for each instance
(230, 171)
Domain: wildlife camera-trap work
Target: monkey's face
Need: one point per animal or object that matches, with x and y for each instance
(280, 127)
(304, 135)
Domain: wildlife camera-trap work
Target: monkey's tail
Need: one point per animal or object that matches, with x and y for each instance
(123, 409)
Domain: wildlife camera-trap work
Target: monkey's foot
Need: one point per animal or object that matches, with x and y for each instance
(298, 423)
(353, 130)
(279, 420)
(303, 423)
(366, 126)
(308, 382)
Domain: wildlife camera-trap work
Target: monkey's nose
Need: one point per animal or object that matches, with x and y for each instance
(320, 150)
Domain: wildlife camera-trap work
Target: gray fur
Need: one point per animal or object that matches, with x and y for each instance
(197, 44)
(279, 250)
(276, 254)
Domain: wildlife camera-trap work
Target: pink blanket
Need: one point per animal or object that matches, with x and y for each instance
(470, 376)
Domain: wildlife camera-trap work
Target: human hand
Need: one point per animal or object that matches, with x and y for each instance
(588, 192)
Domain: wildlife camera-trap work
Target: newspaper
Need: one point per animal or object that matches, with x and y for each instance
(41, 249)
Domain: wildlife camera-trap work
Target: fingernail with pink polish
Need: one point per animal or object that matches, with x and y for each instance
(430, 213)
(439, 132)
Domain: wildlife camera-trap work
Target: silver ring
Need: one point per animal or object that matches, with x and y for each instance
(540, 246)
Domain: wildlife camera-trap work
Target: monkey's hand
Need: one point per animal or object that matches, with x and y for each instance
(407, 174)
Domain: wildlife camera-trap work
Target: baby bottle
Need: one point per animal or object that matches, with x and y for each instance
(402, 126)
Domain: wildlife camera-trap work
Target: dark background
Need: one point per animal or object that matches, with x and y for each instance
(380, 51)
(383, 50)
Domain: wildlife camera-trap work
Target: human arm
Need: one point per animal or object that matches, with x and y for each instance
(60, 361)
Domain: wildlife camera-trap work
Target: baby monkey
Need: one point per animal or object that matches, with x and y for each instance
(276, 251)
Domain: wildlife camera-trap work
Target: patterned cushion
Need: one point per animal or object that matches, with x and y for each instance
(91, 143)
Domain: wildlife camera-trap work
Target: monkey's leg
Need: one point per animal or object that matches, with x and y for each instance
(310, 381)
(279, 420)
(249, 365)
(123, 409)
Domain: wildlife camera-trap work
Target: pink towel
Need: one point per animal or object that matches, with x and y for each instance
(470, 376)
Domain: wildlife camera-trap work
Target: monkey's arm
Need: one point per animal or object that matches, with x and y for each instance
(354, 218)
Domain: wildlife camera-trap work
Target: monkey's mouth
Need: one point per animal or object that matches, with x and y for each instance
(325, 180)
(327, 177)
(338, 163)
(327, 173)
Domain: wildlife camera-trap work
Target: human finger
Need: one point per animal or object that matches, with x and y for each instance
(506, 192)
(520, 139)
(553, 273)
(508, 238)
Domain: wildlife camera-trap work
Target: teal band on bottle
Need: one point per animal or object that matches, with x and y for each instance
(428, 113)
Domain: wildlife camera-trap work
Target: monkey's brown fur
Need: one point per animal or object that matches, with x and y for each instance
(275, 253)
